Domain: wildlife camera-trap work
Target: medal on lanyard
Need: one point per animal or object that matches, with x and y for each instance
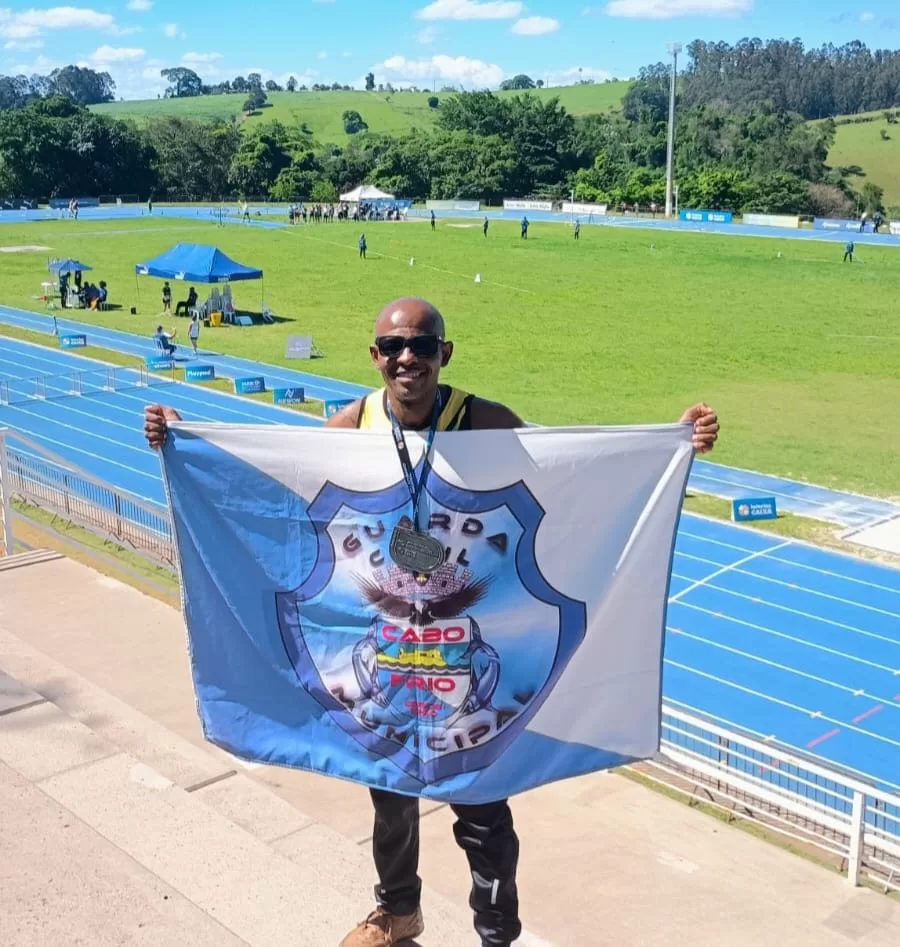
(413, 549)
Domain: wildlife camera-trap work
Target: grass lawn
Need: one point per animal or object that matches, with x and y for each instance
(862, 144)
(385, 112)
(799, 354)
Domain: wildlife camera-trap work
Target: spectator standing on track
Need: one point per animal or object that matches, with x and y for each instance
(877, 221)
(149, 205)
(194, 331)
(167, 298)
(409, 350)
(484, 227)
(848, 251)
(862, 222)
(362, 246)
(524, 233)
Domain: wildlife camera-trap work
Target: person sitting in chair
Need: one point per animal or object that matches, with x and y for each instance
(186, 305)
(164, 340)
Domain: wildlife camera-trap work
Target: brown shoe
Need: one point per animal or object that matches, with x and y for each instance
(381, 929)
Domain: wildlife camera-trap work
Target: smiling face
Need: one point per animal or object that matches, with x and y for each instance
(410, 369)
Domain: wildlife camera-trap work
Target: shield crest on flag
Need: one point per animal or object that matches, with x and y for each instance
(436, 673)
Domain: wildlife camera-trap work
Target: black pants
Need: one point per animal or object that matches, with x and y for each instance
(485, 833)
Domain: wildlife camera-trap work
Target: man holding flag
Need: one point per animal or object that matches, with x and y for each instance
(409, 350)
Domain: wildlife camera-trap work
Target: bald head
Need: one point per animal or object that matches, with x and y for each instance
(410, 313)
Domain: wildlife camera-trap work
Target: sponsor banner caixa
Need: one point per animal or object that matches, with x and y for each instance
(249, 386)
(771, 220)
(518, 203)
(748, 509)
(72, 341)
(586, 210)
(706, 216)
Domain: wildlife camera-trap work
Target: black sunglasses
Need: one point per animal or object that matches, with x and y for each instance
(422, 346)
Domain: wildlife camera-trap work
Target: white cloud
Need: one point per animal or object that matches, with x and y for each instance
(142, 6)
(586, 11)
(346, 54)
(671, 9)
(535, 26)
(321, 54)
(427, 36)
(866, 16)
(199, 59)
(24, 44)
(452, 69)
(108, 54)
(171, 30)
(28, 23)
(471, 10)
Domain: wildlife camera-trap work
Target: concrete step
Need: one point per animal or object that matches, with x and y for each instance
(239, 864)
(29, 558)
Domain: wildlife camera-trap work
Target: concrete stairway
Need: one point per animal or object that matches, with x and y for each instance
(115, 830)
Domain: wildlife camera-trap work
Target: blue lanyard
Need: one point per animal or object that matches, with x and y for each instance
(416, 486)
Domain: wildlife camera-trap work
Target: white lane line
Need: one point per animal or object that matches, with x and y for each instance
(787, 637)
(783, 744)
(785, 703)
(66, 446)
(855, 691)
(734, 566)
(756, 600)
(798, 565)
(795, 587)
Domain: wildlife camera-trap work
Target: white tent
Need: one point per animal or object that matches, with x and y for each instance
(365, 192)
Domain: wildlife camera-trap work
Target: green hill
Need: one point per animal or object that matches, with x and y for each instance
(385, 112)
(860, 143)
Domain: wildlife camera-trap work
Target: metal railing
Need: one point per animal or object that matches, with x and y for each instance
(6, 542)
(105, 378)
(38, 476)
(817, 805)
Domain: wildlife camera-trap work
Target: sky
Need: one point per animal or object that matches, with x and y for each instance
(463, 43)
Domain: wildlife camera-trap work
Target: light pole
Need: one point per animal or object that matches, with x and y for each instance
(674, 49)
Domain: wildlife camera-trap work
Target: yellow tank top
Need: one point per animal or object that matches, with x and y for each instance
(454, 416)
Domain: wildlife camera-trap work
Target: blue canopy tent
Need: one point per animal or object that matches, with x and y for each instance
(67, 266)
(196, 263)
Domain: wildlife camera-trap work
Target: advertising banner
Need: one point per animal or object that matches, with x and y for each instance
(753, 508)
(588, 210)
(249, 386)
(298, 346)
(517, 203)
(838, 223)
(288, 396)
(72, 341)
(453, 205)
(332, 407)
(706, 216)
(771, 220)
(199, 372)
(159, 363)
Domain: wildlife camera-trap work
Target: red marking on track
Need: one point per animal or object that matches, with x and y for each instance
(868, 713)
(823, 738)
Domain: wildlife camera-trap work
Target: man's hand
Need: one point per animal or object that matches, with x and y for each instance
(706, 426)
(156, 424)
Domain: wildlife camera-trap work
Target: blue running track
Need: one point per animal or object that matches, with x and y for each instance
(803, 499)
(779, 639)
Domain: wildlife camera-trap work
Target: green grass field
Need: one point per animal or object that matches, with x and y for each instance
(861, 144)
(798, 354)
(385, 112)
